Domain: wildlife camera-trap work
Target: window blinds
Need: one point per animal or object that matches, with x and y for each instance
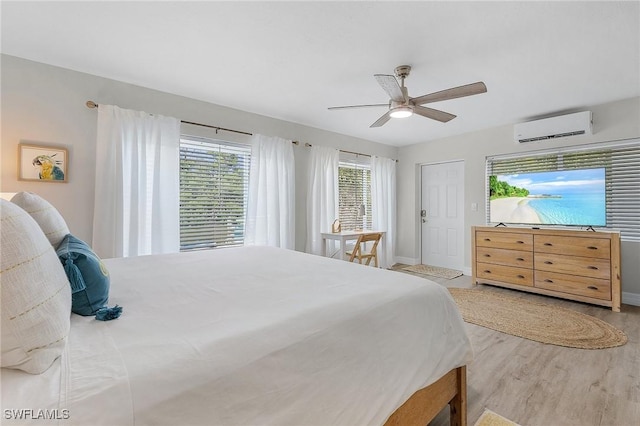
(621, 161)
(214, 181)
(354, 195)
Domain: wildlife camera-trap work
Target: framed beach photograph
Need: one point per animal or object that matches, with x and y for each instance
(42, 163)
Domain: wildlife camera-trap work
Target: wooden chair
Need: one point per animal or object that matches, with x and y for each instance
(359, 250)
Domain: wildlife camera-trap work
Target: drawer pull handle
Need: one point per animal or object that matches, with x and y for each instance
(487, 255)
(520, 259)
(548, 281)
(593, 267)
(487, 239)
(548, 244)
(486, 271)
(520, 276)
(548, 262)
(592, 248)
(592, 287)
(520, 242)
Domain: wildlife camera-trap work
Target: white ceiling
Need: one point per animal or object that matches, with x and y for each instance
(292, 60)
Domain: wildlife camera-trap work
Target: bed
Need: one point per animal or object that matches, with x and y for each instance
(254, 335)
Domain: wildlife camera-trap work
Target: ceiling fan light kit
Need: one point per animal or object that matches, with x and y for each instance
(402, 106)
(401, 112)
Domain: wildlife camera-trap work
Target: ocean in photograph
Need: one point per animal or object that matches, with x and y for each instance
(571, 209)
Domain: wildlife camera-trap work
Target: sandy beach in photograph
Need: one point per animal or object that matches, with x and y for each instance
(514, 210)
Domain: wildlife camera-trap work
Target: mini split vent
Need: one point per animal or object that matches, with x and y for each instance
(562, 126)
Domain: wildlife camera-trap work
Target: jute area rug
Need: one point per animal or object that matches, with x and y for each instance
(489, 418)
(435, 271)
(536, 321)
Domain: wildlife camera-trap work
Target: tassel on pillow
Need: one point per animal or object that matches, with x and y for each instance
(108, 314)
(74, 275)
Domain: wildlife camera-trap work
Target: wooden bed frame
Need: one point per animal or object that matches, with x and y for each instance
(427, 402)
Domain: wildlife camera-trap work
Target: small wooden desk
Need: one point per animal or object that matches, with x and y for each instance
(345, 236)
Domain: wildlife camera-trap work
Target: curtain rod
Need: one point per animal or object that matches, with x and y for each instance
(308, 145)
(91, 104)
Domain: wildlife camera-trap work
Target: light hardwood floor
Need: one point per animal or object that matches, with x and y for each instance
(534, 384)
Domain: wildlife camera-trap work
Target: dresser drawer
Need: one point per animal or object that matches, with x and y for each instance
(572, 246)
(517, 258)
(507, 274)
(505, 240)
(574, 265)
(573, 284)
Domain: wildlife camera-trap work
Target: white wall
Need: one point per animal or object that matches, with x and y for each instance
(42, 103)
(612, 121)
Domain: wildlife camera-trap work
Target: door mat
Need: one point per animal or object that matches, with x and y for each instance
(434, 271)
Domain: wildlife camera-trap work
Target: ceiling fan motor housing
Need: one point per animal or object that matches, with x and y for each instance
(396, 104)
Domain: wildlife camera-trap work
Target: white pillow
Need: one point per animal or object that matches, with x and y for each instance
(36, 295)
(50, 220)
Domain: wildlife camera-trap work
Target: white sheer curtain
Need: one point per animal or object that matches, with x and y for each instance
(270, 206)
(137, 191)
(322, 195)
(383, 205)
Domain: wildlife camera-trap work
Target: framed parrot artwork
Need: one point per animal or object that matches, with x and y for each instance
(42, 163)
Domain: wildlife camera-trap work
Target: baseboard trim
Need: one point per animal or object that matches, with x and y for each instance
(407, 260)
(631, 298)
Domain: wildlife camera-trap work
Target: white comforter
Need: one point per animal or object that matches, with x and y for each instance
(249, 336)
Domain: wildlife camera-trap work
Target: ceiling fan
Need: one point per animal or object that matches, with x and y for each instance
(401, 105)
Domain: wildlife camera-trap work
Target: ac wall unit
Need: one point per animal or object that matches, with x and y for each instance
(561, 126)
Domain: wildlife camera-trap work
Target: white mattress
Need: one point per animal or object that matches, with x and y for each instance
(248, 336)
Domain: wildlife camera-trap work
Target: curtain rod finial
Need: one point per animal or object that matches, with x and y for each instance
(91, 104)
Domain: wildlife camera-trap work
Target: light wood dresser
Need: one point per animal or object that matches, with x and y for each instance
(577, 265)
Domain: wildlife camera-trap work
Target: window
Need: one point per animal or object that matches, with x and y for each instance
(214, 182)
(621, 161)
(354, 195)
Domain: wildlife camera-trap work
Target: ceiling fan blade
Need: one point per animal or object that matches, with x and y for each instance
(455, 92)
(358, 106)
(382, 120)
(391, 86)
(434, 114)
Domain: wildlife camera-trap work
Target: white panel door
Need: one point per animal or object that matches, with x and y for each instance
(442, 215)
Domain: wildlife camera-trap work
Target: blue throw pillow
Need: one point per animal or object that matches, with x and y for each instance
(88, 277)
